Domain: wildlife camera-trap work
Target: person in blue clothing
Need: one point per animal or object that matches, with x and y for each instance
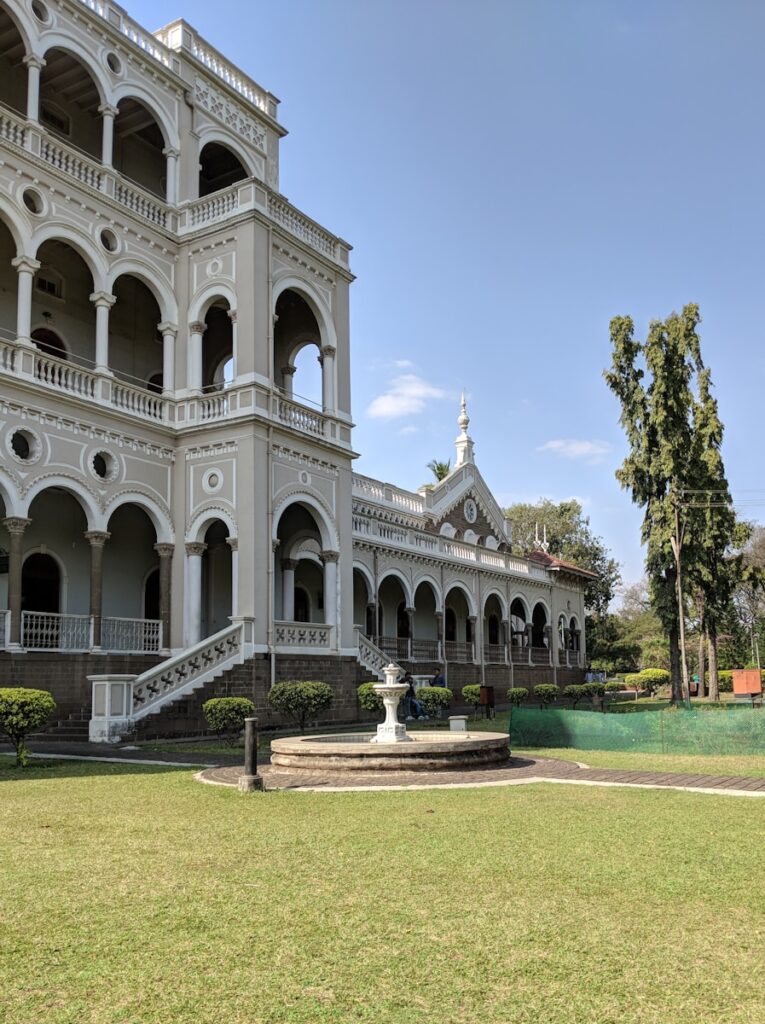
(413, 708)
(438, 679)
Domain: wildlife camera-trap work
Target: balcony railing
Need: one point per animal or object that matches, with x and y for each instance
(494, 654)
(302, 634)
(52, 631)
(457, 650)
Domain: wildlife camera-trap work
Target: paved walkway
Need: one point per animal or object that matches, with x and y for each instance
(518, 771)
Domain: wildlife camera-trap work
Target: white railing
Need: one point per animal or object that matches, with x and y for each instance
(519, 655)
(494, 654)
(50, 631)
(188, 670)
(213, 407)
(375, 490)
(540, 656)
(302, 634)
(64, 376)
(214, 208)
(11, 127)
(426, 650)
(141, 403)
(131, 636)
(7, 356)
(457, 650)
(300, 418)
(302, 227)
(140, 202)
(118, 19)
(65, 159)
(371, 657)
(394, 647)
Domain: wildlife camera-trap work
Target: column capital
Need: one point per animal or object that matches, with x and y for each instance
(107, 110)
(102, 299)
(233, 543)
(33, 61)
(231, 314)
(410, 611)
(170, 151)
(275, 545)
(96, 538)
(288, 371)
(329, 556)
(472, 618)
(16, 524)
(290, 564)
(328, 350)
(198, 327)
(26, 264)
(167, 328)
(165, 550)
(196, 547)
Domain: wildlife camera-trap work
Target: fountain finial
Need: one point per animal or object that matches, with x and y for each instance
(464, 442)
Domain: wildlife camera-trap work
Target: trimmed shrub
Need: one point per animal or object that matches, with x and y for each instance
(546, 693)
(575, 693)
(471, 694)
(633, 681)
(23, 711)
(595, 689)
(369, 698)
(725, 681)
(615, 687)
(653, 678)
(434, 699)
(517, 695)
(300, 700)
(226, 715)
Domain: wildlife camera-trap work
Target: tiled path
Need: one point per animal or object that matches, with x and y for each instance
(517, 771)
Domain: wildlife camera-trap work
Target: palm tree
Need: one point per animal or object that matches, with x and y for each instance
(439, 469)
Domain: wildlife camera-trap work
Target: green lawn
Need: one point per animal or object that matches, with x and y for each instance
(734, 764)
(136, 896)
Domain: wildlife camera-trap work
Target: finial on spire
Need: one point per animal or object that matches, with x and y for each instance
(464, 442)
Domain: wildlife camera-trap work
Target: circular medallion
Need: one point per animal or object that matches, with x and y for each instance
(470, 510)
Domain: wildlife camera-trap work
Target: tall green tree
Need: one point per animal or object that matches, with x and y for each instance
(570, 537)
(653, 381)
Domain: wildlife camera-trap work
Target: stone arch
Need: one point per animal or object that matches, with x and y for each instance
(68, 44)
(131, 90)
(9, 493)
(63, 575)
(495, 592)
(541, 601)
(24, 26)
(434, 585)
(80, 242)
(204, 518)
(405, 585)
(290, 282)
(17, 224)
(518, 596)
(211, 133)
(366, 573)
(205, 298)
(466, 593)
(159, 517)
(93, 516)
(159, 286)
(322, 514)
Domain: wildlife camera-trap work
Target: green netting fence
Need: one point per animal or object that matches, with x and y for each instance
(740, 730)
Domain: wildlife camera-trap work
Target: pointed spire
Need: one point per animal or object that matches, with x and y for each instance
(464, 442)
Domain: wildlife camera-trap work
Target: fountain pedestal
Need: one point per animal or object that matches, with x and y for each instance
(391, 691)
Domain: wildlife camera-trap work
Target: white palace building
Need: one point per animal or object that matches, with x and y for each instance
(174, 521)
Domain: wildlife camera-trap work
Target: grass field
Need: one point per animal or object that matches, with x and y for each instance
(136, 896)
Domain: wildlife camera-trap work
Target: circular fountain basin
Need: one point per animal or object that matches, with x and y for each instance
(355, 752)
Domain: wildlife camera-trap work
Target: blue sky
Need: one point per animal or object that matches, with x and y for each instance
(511, 175)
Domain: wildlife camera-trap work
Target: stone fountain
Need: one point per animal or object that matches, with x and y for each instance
(391, 691)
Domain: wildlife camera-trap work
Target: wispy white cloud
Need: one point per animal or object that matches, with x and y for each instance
(570, 448)
(407, 395)
(411, 429)
(403, 364)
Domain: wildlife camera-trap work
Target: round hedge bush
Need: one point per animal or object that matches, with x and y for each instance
(653, 678)
(517, 695)
(300, 701)
(434, 699)
(23, 711)
(226, 715)
(615, 687)
(546, 693)
(574, 693)
(369, 698)
(471, 694)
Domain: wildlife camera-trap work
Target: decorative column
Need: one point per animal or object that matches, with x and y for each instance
(194, 552)
(329, 559)
(506, 639)
(234, 338)
(233, 543)
(169, 333)
(171, 175)
(529, 638)
(410, 617)
(371, 612)
(288, 372)
(440, 636)
(34, 67)
(327, 361)
(473, 619)
(15, 525)
(108, 113)
(26, 268)
(288, 589)
(577, 646)
(103, 303)
(194, 360)
(567, 644)
(165, 552)
(548, 638)
(96, 539)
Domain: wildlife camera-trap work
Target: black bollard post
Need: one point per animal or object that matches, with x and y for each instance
(250, 780)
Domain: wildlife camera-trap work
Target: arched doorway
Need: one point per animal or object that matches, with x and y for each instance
(49, 342)
(219, 167)
(13, 74)
(138, 146)
(363, 609)
(519, 636)
(62, 292)
(69, 102)
(425, 638)
(130, 590)
(41, 584)
(493, 631)
(218, 348)
(393, 638)
(298, 364)
(305, 574)
(540, 639)
(135, 344)
(216, 580)
(458, 626)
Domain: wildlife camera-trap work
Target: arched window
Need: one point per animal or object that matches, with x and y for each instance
(493, 630)
(402, 622)
(49, 343)
(450, 625)
(302, 605)
(219, 167)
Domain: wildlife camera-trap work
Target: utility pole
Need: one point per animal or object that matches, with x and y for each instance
(677, 548)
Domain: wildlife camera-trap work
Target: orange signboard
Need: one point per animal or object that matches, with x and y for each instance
(747, 680)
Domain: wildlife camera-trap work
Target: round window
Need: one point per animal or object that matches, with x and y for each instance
(40, 11)
(103, 466)
(33, 200)
(109, 240)
(113, 63)
(24, 445)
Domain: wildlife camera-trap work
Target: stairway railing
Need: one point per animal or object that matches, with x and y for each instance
(371, 657)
